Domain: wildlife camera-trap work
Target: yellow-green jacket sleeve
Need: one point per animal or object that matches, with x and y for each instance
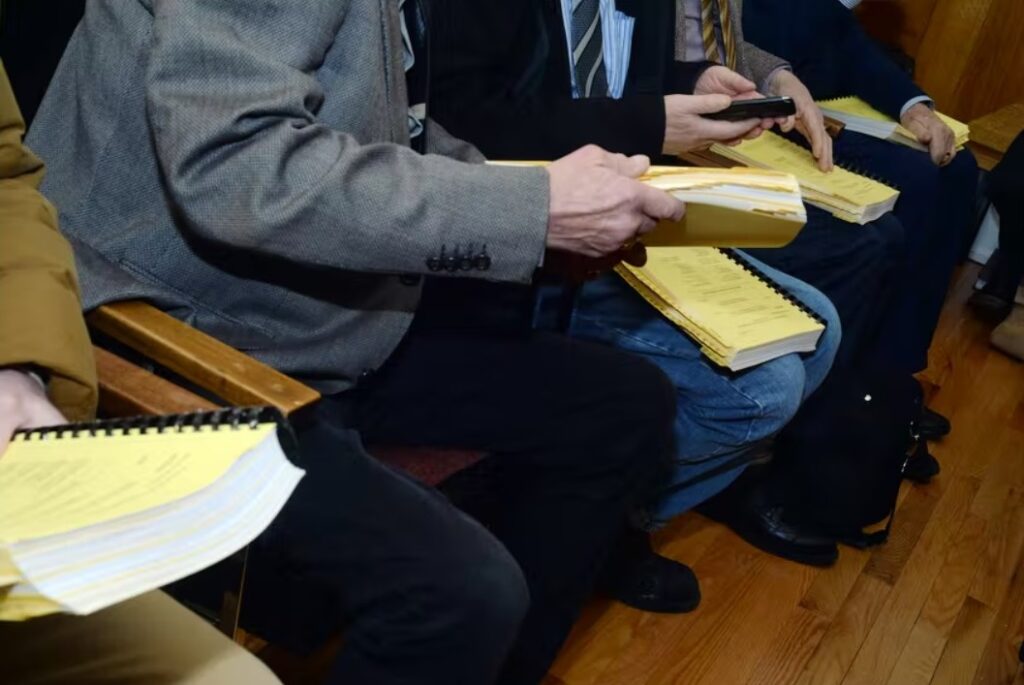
(40, 314)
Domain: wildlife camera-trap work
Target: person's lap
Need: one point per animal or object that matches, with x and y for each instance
(581, 433)
(722, 417)
(935, 207)
(366, 548)
(149, 640)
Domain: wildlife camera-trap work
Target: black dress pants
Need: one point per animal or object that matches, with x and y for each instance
(855, 266)
(581, 432)
(1006, 190)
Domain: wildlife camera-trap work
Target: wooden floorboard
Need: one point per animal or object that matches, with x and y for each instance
(941, 604)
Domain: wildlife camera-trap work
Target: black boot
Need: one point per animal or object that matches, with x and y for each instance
(639, 577)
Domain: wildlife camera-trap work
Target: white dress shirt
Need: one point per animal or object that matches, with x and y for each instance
(617, 39)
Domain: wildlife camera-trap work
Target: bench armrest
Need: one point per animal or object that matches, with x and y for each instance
(199, 358)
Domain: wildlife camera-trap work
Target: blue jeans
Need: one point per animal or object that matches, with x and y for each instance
(723, 418)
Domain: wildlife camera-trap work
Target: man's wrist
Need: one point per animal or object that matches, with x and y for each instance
(924, 101)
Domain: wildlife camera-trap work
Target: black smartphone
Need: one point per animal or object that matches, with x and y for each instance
(766, 108)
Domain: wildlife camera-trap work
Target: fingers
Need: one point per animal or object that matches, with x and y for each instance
(787, 124)
(658, 204)
(827, 162)
(737, 84)
(946, 146)
(632, 167)
(707, 104)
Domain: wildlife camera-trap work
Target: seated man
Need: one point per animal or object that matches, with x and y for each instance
(833, 56)
(504, 80)
(46, 374)
(999, 299)
(247, 166)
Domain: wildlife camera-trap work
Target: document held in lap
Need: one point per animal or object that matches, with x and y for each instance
(739, 316)
(94, 514)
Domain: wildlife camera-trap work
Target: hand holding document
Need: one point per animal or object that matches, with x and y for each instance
(724, 207)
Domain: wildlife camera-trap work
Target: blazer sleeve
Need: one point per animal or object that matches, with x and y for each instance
(40, 316)
(232, 102)
(868, 72)
(756, 64)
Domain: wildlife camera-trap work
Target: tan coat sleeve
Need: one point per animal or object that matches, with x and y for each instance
(40, 316)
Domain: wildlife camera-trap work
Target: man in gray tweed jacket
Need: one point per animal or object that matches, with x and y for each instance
(246, 166)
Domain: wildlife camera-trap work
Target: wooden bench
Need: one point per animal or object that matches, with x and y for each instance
(992, 134)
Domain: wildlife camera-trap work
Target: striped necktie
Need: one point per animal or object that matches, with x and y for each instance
(712, 48)
(588, 48)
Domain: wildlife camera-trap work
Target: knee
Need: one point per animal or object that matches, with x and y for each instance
(963, 170)
(828, 345)
(478, 591)
(781, 398)
(645, 397)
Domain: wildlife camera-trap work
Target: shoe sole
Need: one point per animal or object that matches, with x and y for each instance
(662, 608)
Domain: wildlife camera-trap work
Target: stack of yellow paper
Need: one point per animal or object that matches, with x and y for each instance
(739, 317)
(88, 520)
(847, 195)
(737, 207)
(861, 117)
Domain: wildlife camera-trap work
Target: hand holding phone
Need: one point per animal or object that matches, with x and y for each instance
(764, 108)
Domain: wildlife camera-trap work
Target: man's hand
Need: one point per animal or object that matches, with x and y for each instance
(810, 122)
(932, 131)
(597, 207)
(719, 80)
(23, 404)
(686, 129)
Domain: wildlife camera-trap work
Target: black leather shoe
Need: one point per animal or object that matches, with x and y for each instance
(639, 577)
(933, 425)
(764, 527)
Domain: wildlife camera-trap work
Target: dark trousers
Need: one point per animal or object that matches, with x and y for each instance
(581, 433)
(936, 209)
(1006, 190)
(855, 266)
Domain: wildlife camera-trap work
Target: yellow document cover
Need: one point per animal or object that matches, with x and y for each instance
(739, 207)
(739, 317)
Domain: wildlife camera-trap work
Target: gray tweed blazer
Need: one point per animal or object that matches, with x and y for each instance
(244, 165)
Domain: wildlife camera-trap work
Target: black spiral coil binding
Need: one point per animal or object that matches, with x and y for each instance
(233, 418)
(782, 292)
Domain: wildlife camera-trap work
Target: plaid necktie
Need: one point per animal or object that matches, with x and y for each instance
(712, 10)
(588, 48)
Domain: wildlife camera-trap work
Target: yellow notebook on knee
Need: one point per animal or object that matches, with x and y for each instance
(845, 193)
(739, 316)
(94, 514)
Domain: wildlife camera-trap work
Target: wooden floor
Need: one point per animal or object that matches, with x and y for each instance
(941, 603)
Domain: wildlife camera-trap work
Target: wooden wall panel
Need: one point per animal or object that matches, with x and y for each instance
(969, 53)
